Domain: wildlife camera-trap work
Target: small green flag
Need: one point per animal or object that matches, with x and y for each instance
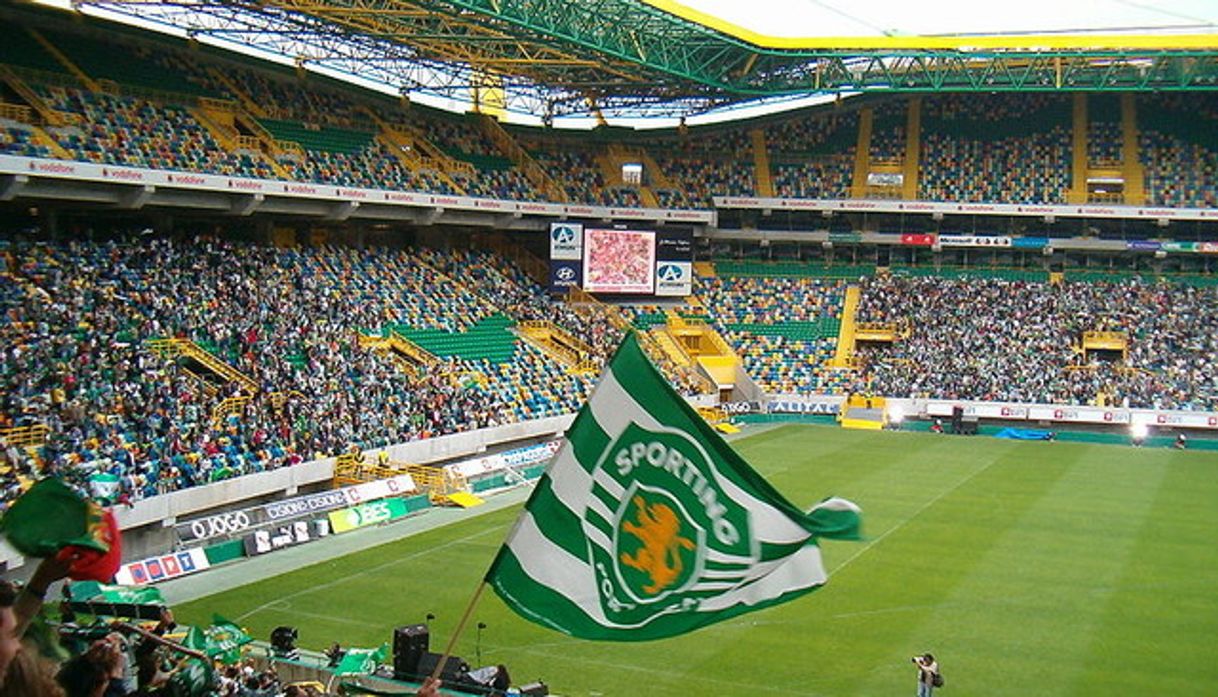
(361, 661)
(195, 678)
(221, 642)
(100, 592)
(647, 524)
(105, 487)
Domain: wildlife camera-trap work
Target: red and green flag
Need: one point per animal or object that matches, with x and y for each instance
(53, 519)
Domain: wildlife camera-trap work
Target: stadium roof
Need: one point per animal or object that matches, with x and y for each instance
(548, 59)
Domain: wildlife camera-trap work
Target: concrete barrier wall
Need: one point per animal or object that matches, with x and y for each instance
(148, 525)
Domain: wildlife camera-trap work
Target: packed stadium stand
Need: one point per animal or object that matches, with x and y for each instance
(157, 107)
(1025, 345)
(162, 347)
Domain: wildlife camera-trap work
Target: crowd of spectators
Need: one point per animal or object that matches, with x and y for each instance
(776, 326)
(137, 132)
(1019, 341)
(576, 171)
(77, 315)
(55, 652)
(703, 177)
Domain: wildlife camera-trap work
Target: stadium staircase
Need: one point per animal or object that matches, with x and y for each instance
(410, 358)
(246, 130)
(505, 248)
(862, 155)
(229, 406)
(559, 344)
(1079, 159)
(47, 115)
(611, 161)
(1135, 192)
(221, 117)
(707, 348)
(417, 153)
(63, 60)
(913, 150)
(582, 301)
(656, 179)
(438, 483)
(863, 413)
(248, 104)
(28, 438)
(208, 370)
(669, 346)
(1106, 341)
(718, 419)
(843, 357)
(704, 269)
(535, 173)
(25, 115)
(761, 164)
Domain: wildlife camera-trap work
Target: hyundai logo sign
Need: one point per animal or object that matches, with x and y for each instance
(566, 273)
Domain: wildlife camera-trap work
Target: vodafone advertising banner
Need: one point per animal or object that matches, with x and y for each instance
(1074, 414)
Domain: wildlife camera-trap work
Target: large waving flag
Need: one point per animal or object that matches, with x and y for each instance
(647, 525)
(52, 519)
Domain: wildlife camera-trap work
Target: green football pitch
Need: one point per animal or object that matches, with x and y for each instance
(1026, 568)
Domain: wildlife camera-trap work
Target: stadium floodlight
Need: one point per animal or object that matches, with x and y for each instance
(896, 414)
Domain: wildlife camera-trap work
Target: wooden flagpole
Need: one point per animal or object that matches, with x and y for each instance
(452, 641)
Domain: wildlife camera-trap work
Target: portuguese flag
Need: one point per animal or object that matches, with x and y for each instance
(52, 519)
(647, 524)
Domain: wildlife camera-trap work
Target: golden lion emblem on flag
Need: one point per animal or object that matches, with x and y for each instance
(658, 530)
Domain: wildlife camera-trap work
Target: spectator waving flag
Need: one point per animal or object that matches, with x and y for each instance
(647, 525)
(52, 519)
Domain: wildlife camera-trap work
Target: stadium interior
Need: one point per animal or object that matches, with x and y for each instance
(206, 280)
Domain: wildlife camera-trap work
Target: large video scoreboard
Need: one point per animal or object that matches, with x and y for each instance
(621, 260)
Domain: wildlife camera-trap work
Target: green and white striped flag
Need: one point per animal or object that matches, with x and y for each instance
(647, 524)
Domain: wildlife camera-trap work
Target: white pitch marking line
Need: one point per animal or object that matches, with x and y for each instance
(916, 513)
(365, 572)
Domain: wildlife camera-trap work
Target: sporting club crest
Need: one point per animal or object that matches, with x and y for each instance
(667, 527)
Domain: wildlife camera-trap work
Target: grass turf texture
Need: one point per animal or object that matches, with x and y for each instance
(1026, 568)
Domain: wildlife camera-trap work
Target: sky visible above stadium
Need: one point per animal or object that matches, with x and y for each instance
(783, 24)
(842, 18)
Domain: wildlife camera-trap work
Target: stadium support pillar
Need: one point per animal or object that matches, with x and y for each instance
(50, 221)
(135, 199)
(862, 155)
(11, 186)
(1135, 188)
(343, 210)
(245, 205)
(913, 149)
(429, 216)
(1078, 160)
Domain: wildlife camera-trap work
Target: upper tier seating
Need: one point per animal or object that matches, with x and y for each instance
(996, 148)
